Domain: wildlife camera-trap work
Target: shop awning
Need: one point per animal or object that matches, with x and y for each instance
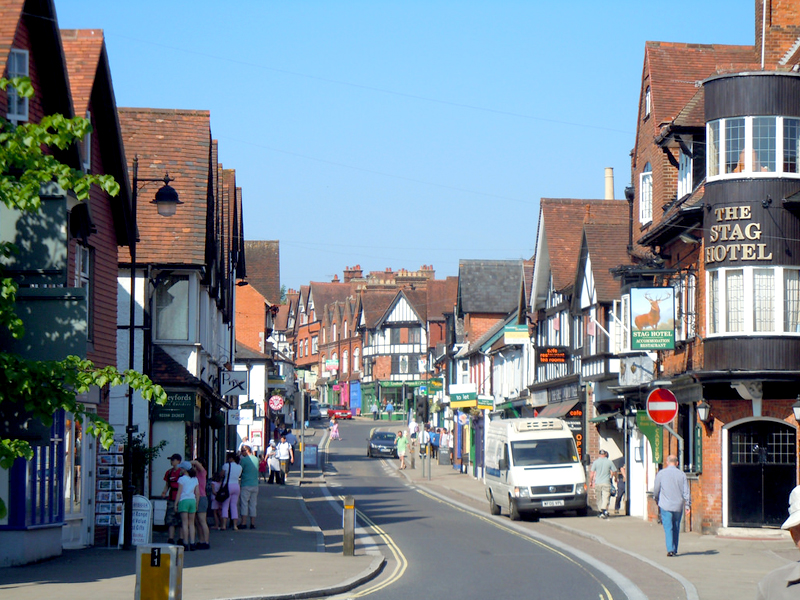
(557, 409)
(604, 417)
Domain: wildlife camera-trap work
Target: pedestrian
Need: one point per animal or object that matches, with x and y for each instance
(216, 507)
(201, 525)
(621, 491)
(600, 479)
(262, 467)
(402, 448)
(375, 412)
(232, 471)
(671, 493)
(186, 501)
(780, 583)
(435, 441)
(273, 464)
(245, 441)
(425, 442)
(444, 441)
(249, 489)
(286, 458)
(172, 519)
(389, 410)
(451, 440)
(335, 431)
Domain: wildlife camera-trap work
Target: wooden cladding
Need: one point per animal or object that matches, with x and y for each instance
(752, 354)
(759, 94)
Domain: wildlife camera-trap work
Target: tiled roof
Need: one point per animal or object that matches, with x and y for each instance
(374, 304)
(676, 70)
(282, 318)
(489, 286)
(442, 296)
(177, 141)
(264, 267)
(418, 299)
(10, 14)
(82, 49)
(325, 294)
(608, 248)
(563, 220)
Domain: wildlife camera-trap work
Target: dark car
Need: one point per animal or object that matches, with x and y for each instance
(339, 411)
(382, 443)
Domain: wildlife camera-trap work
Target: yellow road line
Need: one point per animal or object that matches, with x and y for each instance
(524, 537)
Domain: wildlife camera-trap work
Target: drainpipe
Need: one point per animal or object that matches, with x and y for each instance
(629, 193)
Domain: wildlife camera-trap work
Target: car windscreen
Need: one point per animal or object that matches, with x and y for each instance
(383, 435)
(528, 453)
(338, 407)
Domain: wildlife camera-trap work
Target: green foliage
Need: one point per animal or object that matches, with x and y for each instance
(28, 158)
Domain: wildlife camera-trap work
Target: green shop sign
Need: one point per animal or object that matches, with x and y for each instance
(654, 434)
(179, 407)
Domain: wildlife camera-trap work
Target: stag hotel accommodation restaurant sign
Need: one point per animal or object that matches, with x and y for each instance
(653, 318)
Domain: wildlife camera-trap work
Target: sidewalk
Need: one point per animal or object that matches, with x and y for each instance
(711, 567)
(282, 558)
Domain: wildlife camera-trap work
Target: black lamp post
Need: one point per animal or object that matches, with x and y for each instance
(166, 200)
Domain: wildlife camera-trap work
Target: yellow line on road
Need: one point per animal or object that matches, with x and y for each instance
(490, 521)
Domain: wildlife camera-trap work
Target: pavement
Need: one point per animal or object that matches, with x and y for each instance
(285, 557)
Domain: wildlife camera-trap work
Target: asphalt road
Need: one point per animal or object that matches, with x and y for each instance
(436, 548)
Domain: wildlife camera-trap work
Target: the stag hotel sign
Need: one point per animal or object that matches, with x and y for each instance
(734, 236)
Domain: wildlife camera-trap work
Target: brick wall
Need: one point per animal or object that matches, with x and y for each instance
(251, 317)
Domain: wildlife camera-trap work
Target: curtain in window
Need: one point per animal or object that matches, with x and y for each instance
(172, 308)
(713, 299)
(734, 299)
(764, 300)
(791, 291)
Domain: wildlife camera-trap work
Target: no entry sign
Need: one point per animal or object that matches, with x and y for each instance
(662, 406)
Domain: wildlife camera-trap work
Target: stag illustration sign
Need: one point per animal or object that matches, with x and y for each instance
(653, 318)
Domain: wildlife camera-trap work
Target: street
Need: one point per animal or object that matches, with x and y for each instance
(433, 543)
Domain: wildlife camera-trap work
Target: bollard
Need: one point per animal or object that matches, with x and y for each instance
(159, 572)
(349, 527)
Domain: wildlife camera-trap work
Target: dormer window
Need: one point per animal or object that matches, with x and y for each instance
(17, 67)
(685, 170)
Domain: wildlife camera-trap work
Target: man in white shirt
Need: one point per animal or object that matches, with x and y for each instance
(286, 458)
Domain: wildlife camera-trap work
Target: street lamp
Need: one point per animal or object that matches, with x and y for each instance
(796, 409)
(166, 200)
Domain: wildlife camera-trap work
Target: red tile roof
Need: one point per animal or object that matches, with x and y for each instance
(442, 297)
(10, 14)
(82, 49)
(676, 70)
(607, 243)
(563, 220)
(374, 304)
(178, 142)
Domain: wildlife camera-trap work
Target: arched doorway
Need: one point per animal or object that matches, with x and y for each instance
(762, 472)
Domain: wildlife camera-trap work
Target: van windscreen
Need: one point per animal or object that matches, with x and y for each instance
(528, 453)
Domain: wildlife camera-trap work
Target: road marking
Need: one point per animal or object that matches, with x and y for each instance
(606, 595)
(400, 559)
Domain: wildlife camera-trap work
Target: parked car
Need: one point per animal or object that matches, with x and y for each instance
(324, 407)
(314, 412)
(382, 443)
(339, 411)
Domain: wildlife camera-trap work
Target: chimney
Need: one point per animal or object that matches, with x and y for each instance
(351, 273)
(609, 183)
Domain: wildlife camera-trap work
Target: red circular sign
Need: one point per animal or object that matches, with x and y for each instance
(276, 402)
(662, 406)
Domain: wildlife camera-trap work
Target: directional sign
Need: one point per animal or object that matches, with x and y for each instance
(662, 406)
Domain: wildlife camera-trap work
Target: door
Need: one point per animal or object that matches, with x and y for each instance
(762, 471)
(78, 530)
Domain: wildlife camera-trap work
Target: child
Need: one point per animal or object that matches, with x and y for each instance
(216, 482)
(335, 431)
(262, 467)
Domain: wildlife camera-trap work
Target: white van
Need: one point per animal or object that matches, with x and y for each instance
(532, 465)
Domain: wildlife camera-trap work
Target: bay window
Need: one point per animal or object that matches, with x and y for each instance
(753, 146)
(754, 300)
(172, 308)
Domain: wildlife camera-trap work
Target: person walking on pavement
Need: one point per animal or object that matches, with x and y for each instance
(273, 464)
(402, 448)
(389, 410)
(375, 412)
(600, 479)
(784, 582)
(201, 524)
(172, 519)
(286, 458)
(249, 493)
(671, 493)
(620, 477)
(232, 472)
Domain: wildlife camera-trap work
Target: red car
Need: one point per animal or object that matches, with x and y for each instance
(339, 411)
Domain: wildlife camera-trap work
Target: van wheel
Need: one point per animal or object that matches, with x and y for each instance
(513, 512)
(494, 508)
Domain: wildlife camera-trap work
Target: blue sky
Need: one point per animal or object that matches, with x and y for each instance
(402, 133)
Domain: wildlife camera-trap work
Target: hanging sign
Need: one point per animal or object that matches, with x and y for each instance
(653, 318)
(276, 402)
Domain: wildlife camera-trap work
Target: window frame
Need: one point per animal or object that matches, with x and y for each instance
(11, 92)
(717, 143)
(191, 287)
(646, 195)
(717, 315)
(685, 168)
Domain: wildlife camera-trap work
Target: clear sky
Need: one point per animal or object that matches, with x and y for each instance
(402, 133)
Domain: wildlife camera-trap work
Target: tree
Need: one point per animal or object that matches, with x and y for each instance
(42, 388)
